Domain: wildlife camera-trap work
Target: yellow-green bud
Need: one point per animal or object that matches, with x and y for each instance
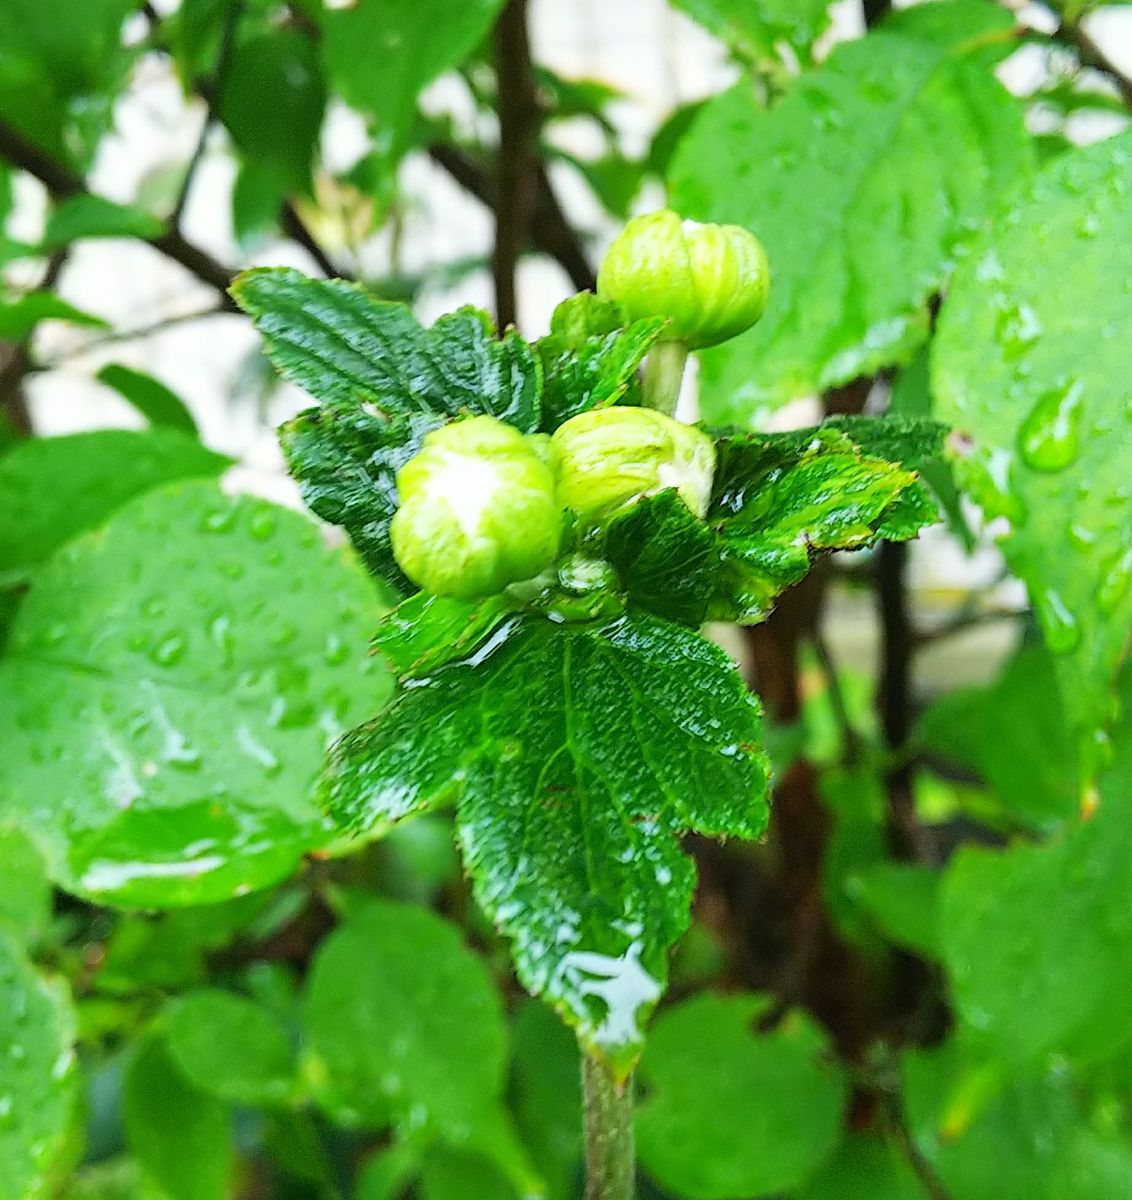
(478, 511)
(710, 281)
(608, 456)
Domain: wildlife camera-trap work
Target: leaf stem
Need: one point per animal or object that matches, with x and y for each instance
(610, 1158)
(664, 373)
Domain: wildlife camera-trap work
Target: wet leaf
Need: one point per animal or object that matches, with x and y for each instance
(732, 1112)
(576, 754)
(1052, 426)
(38, 1095)
(25, 900)
(426, 631)
(861, 181)
(169, 687)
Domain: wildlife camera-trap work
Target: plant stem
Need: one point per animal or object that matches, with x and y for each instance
(610, 1159)
(664, 372)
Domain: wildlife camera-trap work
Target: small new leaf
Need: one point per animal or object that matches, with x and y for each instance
(590, 357)
(576, 755)
(781, 498)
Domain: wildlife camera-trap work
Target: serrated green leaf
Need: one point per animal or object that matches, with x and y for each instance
(88, 216)
(1051, 426)
(346, 460)
(53, 489)
(25, 903)
(403, 1023)
(733, 1112)
(754, 29)
(180, 1136)
(860, 182)
(426, 631)
(667, 560)
(590, 357)
(380, 56)
(160, 405)
(779, 498)
(38, 1094)
(273, 102)
(18, 318)
(230, 1047)
(1028, 759)
(163, 741)
(345, 347)
(576, 754)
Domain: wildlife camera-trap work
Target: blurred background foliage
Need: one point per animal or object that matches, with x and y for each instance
(918, 988)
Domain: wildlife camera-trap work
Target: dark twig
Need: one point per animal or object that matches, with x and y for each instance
(875, 11)
(293, 226)
(1092, 55)
(18, 364)
(62, 183)
(850, 738)
(232, 14)
(516, 169)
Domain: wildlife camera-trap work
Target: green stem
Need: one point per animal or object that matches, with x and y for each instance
(664, 372)
(610, 1159)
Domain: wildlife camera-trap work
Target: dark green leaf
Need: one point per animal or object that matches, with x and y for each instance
(426, 631)
(589, 358)
(273, 101)
(865, 1168)
(37, 1075)
(402, 1022)
(158, 404)
(87, 216)
(379, 56)
(1050, 423)
(229, 1047)
(169, 686)
(860, 182)
(779, 498)
(257, 198)
(52, 489)
(667, 560)
(180, 1136)
(448, 1175)
(18, 318)
(732, 1112)
(344, 347)
(577, 753)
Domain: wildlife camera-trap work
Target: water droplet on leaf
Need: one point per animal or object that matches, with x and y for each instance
(1048, 437)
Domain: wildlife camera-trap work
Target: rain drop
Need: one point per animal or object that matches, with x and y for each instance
(169, 650)
(1062, 632)
(1048, 437)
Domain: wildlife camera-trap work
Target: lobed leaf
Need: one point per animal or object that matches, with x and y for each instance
(576, 754)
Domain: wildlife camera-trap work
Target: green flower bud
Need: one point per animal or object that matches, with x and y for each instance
(478, 511)
(710, 281)
(608, 456)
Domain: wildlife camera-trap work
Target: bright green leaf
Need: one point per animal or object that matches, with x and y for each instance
(732, 1112)
(87, 216)
(577, 753)
(380, 53)
(18, 318)
(169, 687)
(860, 182)
(53, 489)
(180, 1136)
(230, 1047)
(903, 901)
(403, 1022)
(38, 1097)
(426, 631)
(449, 1175)
(158, 404)
(1051, 424)
(753, 29)
(25, 892)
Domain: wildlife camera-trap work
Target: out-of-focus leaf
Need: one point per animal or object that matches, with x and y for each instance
(733, 1112)
(25, 890)
(160, 405)
(18, 318)
(860, 182)
(754, 29)
(87, 216)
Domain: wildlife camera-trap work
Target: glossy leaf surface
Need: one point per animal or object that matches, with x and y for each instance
(576, 753)
(1051, 426)
(164, 742)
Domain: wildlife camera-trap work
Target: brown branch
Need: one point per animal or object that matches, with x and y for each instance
(516, 164)
(294, 227)
(13, 372)
(62, 183)
(1092, 55)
